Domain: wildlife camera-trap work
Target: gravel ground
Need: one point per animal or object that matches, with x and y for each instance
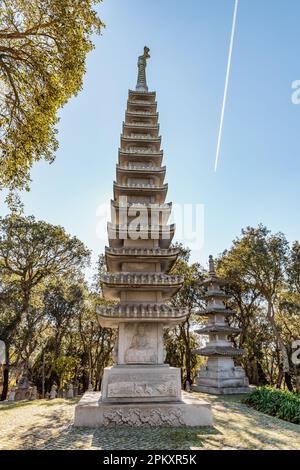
(48, 425)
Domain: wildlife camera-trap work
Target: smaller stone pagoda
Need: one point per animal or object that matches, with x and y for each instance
(219, 375)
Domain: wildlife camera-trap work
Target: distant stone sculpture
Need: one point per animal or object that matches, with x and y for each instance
(2, 352)
(53, 392)
(12, 393)
(24, 390)
(34, 393)
(23, 382)
(75, 388)
(70, 391)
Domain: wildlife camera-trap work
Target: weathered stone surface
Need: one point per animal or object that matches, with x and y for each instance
(220, 376)
(91, 411)
(140, 343)
(141, 384)
(140, 390)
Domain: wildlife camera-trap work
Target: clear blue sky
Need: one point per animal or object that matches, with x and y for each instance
(257, 180)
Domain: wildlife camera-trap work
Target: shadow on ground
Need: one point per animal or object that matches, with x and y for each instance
(48, 425)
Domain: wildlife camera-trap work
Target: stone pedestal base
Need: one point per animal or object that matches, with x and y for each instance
(141, 383)
(222, 381)
(92, 412)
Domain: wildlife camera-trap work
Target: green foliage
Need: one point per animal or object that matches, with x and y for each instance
(263, 275)
(181, 341)
(279, 403)
(43, 49)
(31, 250)
(65, 367)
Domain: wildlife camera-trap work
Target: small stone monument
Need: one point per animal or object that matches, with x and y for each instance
(12, 393)
(23, 390)
(75, 388)
(53, 392)
(34, 393)
(2, 352)
(70, 391)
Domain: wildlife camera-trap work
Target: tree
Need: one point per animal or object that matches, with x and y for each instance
(10, 306)
(32, 253)
(181, 340)
(43, 49)
(261, 259)
(96, 343)
(63, 299)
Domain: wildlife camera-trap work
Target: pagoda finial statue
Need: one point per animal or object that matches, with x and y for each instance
(211, 265)
(142, 63)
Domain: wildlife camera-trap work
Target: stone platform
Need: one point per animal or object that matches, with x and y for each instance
(221, 390)
(92, 412)
(227, 381)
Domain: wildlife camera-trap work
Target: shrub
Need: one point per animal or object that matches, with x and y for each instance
(279, 403)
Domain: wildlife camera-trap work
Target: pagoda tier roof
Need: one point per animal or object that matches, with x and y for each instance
(139, 278)
(140, 169)
(143, 312)
(142, 186)
(114, 284)
(142, 114)
(155, 158)
(213, 279)
(140, 151)
(123, 182)
(142, 103)
(140, 125)
(167, 206)
(144, 252)
(140, 189)
(217, 329)
(136, 139)
(216, 294)
(117, 233)
(142, 92)
(141, 137)
(116, 256)
(215, 311)
(219, 351)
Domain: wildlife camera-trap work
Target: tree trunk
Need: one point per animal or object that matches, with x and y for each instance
(5, 375)
(262, 379)
(188, 355)
(283, 349)
(297, 383)
(288, 381)
(280, 377)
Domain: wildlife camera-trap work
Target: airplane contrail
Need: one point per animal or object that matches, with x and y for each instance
(226, 82)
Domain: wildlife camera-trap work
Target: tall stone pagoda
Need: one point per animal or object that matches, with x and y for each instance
(140, 389)
(219, 375)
